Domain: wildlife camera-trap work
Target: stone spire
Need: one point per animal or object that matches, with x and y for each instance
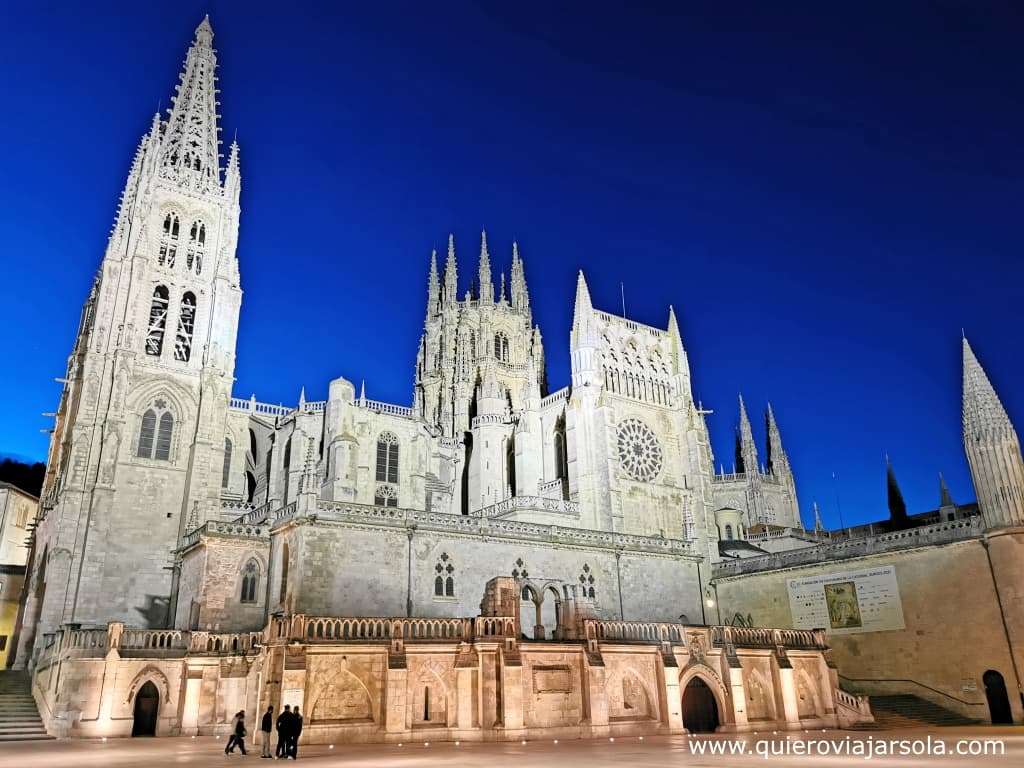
(130, 192)
(778, 461)
(484, 273)
(818, 526)
(746, 448)
(897, 506)
(501, 296)
(451, 274)
(583, 307)
(433, 287)
(520, 293)
(682, 361)
(945, 497)
(191, 157)
(992, 447)
(233, 176)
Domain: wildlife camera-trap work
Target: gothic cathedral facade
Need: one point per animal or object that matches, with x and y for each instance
(606, 486)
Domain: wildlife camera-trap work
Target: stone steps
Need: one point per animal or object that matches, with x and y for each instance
(908, 711)
(19, 716)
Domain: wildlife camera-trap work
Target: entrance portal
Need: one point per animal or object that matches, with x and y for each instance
(147, 704)
(700, 712)
(998, 702)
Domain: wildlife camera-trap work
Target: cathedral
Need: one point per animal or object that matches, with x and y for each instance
(607, 484)
(184, 531)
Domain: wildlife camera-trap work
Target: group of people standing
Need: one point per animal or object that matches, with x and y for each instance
(289, 728)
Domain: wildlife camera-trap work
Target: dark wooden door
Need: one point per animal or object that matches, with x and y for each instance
(700, 713)
(147, 705)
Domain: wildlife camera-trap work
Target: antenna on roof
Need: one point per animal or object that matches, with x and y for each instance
(622, 289)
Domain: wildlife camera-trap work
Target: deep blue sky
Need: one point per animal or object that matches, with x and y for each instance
(826, 195)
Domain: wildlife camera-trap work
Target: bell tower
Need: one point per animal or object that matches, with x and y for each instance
(137, 450)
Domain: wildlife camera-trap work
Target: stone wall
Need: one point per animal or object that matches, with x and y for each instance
(467, 679)
(954, 630)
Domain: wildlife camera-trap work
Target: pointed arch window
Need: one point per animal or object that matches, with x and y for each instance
(169, 240)
(728, 532)
(501, 346)
(385, 495)
(287, 467)
(250, 581)
(387, 458)
(250, 487)
(157, 321)
(444, 577)
(186, 325)
(285, 553)
(225, 474)
(155, 432)
(196, 247)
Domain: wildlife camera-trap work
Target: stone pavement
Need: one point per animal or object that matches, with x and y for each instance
(625, 751)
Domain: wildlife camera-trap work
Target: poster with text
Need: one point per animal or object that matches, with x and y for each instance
(847, 602)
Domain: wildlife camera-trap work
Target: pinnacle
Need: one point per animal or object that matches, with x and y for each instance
(204, 32)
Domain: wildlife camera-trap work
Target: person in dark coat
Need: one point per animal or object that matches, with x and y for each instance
(266, 726)
(296, 731)
(237, 738)
(284, 727)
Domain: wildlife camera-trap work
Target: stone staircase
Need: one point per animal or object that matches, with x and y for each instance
(899, 711)
(19, 716)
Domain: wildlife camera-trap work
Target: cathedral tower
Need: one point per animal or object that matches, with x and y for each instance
(139, 443)
(992, 447)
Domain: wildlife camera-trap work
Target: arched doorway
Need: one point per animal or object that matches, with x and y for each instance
(700, 712)
(147, 705)
(998, 701)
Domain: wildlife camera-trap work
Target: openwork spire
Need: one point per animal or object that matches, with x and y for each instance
(486, 285)
(433, 287)
(983, 413)
(746, 448)
(519, 292)
(190, 157)
(777, 458)
(451, 274)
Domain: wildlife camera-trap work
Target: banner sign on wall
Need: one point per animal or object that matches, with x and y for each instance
(848, 602)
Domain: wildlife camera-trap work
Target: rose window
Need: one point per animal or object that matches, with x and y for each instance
(639, 452)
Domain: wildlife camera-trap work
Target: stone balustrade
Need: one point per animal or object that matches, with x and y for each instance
(635, 631)
(221, 528)
(833, 550)
(389, 408)
(328, 628)
(223, 642)
(555, 397)
(514, 504)
(255, 407)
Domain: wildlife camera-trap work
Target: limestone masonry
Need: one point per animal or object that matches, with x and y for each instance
(198, 553)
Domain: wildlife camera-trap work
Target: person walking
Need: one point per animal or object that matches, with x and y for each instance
(284, 724)
(266, 726)
(295, 733)
(238, 737)
(230, 746)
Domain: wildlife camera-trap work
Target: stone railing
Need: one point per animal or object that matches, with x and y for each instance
(515, 504)
(555, 397)
(150, 639)
(314, 406)
(218, 527)
(84, 639)
(558, 485)
(480, 525)
(282, 514)
(632, 325)
(201, 642)
(830, 550)
(494, 626)
(760, 637)
(255, 516)
(635, 631)
(489, 418)
(236, 506)
(389, 408)
(253, 406)
(327, 628)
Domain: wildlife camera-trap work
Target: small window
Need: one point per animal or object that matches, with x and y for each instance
(250, 581)
(444, 577)
(728, 532)
(225, 474)
(385, 496)
(157, 322)
(169, 240)
(387, 458)
(186, 325)
(155, 432)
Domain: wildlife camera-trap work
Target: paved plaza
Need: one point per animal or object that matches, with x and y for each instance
(622, 752)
